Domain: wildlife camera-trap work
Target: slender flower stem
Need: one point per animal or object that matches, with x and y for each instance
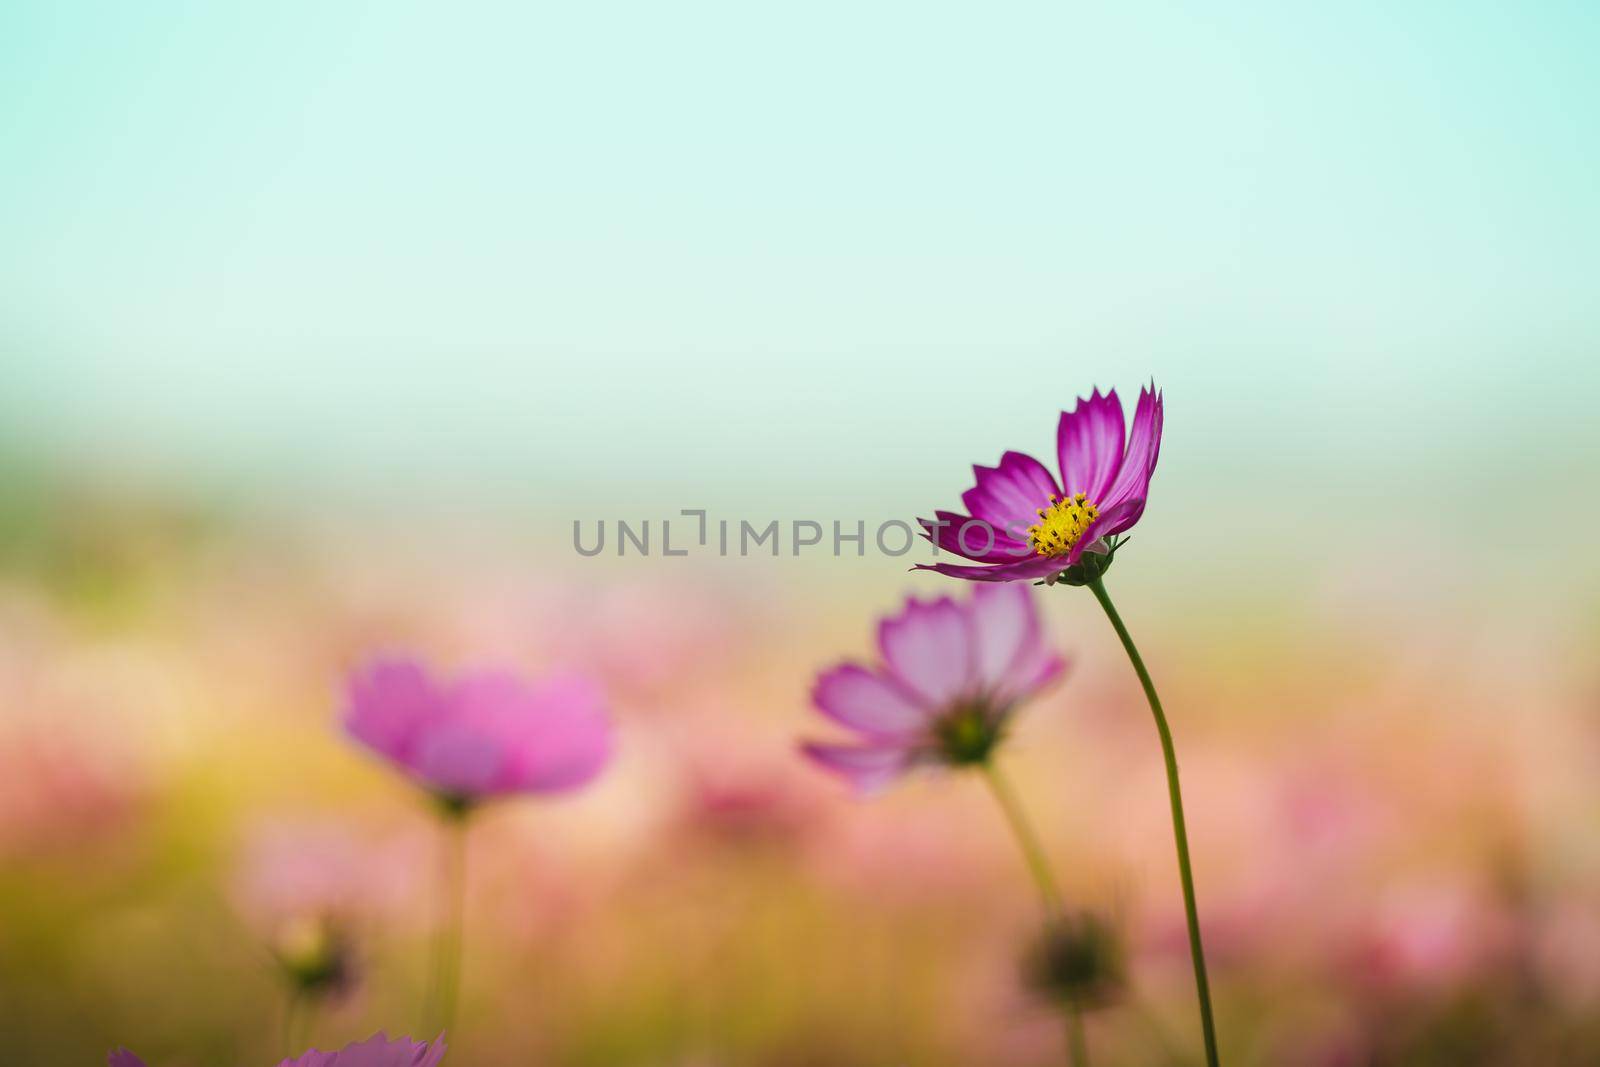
(1179, 832)
(446, 970)
(297, 1012)
(1077, 1041)
(1039, 866)
(1027, 837)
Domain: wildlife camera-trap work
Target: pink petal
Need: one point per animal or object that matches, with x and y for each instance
(1112, 520)
(1009, 497)
(867, 702)
(867, 768)
(1144, 448)
(1025, 570)
(1004, 625)
(1089, 445)
(1036, 669)
(564, 737)
(493, 703)
(389, 702)
(376, 1051)
(460, 759)
(123, 1058)
(928, 649)
(432, 1054)
(975, 539)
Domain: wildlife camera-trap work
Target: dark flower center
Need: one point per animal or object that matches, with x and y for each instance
(968, 733)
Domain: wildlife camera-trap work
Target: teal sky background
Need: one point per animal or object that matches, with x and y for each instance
(778, 259)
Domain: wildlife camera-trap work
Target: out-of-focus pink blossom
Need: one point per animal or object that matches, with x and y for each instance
(952, 674)
(745, 803)
(377, 1051)
(733, 782)
(1431, 936)
(482, 734)
(62, 783)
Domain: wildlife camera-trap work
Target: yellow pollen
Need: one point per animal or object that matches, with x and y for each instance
(1061, 524)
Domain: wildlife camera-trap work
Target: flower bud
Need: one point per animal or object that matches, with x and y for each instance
(314, 956)
(1077, 959)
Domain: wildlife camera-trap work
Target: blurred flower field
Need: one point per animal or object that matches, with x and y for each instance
(326, 329)
(1392, 812)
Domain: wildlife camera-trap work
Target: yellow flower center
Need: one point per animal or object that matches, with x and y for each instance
(1061, 524)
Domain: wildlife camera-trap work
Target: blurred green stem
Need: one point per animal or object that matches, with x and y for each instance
(1039, 866)
(297, 1020)
(446, 970)
(1027, 837)
(1179, 832)
(1077, 1042)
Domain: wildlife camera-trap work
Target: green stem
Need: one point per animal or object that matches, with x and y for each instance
(298, 1011)
(1027, 838)
(1077, 1041)
(1179, 832)
(446, 969)
(1039, 866)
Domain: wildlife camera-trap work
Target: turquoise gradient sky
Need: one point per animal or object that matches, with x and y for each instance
(777, 259)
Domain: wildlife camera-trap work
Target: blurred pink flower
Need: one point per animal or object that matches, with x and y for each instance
(744, 803)
(731, 779)
(377, 1051)
(62, 784)
(952, 675)
(483, 734)
(1430, 935)
(78, 755)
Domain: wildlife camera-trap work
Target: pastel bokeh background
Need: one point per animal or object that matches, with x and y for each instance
(322, 324)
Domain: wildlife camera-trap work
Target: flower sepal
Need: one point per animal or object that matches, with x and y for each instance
(1096, 560)
(453, 806)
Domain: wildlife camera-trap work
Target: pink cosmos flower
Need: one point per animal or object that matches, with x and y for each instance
(376, 1051)
(951, 677)
(483, 734)
(1025, 525)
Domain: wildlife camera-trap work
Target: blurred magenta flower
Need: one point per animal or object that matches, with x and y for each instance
(951, 677)
(483, 734)
(1024, 525)
(377, 1051)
